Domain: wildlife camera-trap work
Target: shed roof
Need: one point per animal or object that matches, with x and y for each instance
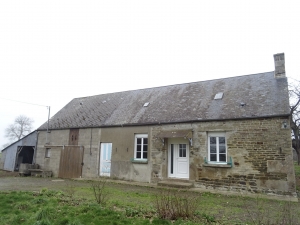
(257, 95)
(23, 141)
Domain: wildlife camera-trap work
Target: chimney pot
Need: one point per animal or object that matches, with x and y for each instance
(279, 65)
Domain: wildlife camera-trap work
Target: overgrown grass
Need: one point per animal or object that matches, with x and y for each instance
(49, 207)
(137, 206)
(76, 204)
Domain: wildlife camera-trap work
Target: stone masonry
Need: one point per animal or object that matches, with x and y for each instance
(260, 153)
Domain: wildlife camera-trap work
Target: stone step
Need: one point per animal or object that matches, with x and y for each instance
(176, 183)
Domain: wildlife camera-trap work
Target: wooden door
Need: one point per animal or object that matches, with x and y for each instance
(73, 136)
(71, 162)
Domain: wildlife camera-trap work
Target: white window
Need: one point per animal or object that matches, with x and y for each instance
(141, 147)
(217, 152)
(48, 152)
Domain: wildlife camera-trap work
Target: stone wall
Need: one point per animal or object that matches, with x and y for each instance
(262, 159)
(260, 150)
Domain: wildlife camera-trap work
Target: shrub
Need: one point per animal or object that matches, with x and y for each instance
(100, 191)
(173, 205)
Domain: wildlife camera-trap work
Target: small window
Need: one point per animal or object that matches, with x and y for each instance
(48, 152)
(217, 151)
(182, 150)
(141, 147)
(219, 96)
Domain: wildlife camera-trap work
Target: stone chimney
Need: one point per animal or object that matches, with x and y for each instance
(279, 65)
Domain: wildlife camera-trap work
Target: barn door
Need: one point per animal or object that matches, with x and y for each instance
(71, 162)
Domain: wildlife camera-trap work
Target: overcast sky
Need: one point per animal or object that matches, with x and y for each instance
(54, 51)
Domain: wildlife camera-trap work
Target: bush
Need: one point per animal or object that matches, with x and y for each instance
(173, 205)
(100, 191)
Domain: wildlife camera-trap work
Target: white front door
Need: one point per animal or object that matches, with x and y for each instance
(105, 159)
(178, 160)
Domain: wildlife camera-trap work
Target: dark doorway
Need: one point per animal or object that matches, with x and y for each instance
(24, 155)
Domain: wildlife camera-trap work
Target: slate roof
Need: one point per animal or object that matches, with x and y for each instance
(262, 94)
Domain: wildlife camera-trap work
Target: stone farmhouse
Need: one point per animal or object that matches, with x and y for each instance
(224, 134)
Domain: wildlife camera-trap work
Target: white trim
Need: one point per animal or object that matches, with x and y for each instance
(176, 160)
(105, 159)
(136, 136)
(48, 153)
(217, 135)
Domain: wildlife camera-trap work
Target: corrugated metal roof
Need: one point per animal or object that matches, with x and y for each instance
(262, 95)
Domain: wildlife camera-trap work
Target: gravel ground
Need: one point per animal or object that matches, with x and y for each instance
(11, 181)
(34, 184)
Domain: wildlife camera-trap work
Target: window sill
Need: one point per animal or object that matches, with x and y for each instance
(221, 165)
(139, 161)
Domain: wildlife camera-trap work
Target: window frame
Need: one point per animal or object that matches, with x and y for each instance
(217, 135)
(142, 136)
(48, 153)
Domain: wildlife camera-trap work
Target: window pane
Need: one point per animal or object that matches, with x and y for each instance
(138, 148)
(221, 140)
(213, 157)
(139, 141)
(145, 141)
(144, 155)
(145, 148)
(212, 140)
(213, 149)
(222, 149)
(222, 157)
(138, 155)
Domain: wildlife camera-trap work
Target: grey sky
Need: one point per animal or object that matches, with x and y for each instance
(51, 52)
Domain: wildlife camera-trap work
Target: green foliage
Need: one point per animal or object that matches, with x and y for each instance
(44, 214)
(138, 205)
(42, 222)
(208, 218)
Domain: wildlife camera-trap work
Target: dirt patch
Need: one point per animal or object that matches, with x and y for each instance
(4, 173)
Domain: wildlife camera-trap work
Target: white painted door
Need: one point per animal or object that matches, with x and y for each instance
(178, 160)
(105, 159)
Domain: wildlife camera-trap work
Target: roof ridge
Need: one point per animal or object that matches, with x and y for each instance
(254, 74)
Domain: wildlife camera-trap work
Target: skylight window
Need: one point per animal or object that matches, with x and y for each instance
(219, 96)
(146, 104)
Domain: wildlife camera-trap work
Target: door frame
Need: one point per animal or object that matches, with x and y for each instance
(175, 161)
(100, 157)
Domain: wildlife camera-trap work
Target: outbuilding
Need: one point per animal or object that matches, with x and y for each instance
(21, 151)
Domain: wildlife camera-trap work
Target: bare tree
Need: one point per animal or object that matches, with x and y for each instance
(295, 116)
(19, 129)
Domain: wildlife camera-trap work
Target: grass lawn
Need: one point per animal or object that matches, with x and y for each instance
(75, 204)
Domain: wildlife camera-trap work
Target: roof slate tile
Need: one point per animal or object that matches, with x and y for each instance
(261, 94)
